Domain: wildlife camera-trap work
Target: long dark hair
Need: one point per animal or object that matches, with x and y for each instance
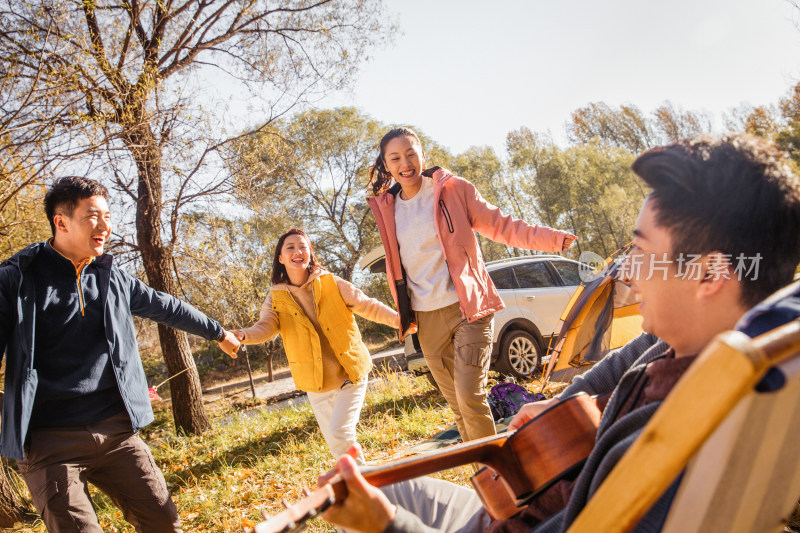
(379, 177)
(279, 274)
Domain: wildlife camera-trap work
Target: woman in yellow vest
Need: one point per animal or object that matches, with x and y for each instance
(313, 310)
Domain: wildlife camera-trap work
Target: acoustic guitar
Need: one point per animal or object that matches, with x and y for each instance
(522, 464)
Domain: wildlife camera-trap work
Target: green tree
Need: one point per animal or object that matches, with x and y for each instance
(25, 162)
(788, 136)
(629, 128)
(603, 198)
(780, 122)
(435, 153)
(121, 76)
(225, 266)
(587, 189)
(536, 190)
(626, 127)
(484, 168)
(22, 219)
(672, 124)
(319, 161)
(763, 121)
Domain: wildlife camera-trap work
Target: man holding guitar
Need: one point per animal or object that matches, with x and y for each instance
(716, 235)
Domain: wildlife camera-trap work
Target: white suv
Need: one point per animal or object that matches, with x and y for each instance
(535, 290)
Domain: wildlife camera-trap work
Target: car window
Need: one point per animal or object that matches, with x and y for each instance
(569, 272)
(503, 278)
(533, 275)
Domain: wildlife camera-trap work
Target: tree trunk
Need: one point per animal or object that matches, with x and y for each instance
(187, 401)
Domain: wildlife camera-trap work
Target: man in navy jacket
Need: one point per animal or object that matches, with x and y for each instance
(75, 390)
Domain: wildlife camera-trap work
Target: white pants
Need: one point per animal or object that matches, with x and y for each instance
(337, 413)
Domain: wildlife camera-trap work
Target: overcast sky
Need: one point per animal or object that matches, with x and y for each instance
(467, 72)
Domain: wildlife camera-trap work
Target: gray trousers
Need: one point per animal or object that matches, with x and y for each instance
(60, 461)
(442, 505)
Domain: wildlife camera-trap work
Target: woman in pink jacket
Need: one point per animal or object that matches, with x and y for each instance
(436, 272)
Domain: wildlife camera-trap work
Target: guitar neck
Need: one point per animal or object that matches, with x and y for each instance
(293, 518)
(528, 460)
(477, 451)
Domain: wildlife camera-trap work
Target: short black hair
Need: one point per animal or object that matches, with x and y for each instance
(735, 195)
(66, 192)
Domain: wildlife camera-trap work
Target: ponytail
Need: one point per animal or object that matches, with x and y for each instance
(379, 177)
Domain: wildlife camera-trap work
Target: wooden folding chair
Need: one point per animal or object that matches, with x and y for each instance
(741, 445)
(746, 477)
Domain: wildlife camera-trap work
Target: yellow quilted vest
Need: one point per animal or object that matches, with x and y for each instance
(301, 341)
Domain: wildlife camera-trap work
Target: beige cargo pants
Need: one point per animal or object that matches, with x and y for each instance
(458, 354)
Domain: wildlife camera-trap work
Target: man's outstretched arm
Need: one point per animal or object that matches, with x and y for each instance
(165, 309)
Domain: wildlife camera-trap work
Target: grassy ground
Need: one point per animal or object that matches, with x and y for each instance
(253, 458)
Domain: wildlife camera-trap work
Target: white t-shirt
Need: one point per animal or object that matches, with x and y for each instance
(429, 283)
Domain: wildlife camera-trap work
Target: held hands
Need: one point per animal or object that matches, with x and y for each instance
(229, 344)
(568, 241)
(366, 508)
(410, 331)
(529, 411)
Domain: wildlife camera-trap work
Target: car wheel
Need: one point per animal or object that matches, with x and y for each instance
(520, 354)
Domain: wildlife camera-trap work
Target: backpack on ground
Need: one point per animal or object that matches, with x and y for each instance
(506, 399)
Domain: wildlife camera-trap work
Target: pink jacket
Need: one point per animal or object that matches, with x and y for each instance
(459, 209)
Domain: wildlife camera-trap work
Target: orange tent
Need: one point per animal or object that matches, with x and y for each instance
(601, 316)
